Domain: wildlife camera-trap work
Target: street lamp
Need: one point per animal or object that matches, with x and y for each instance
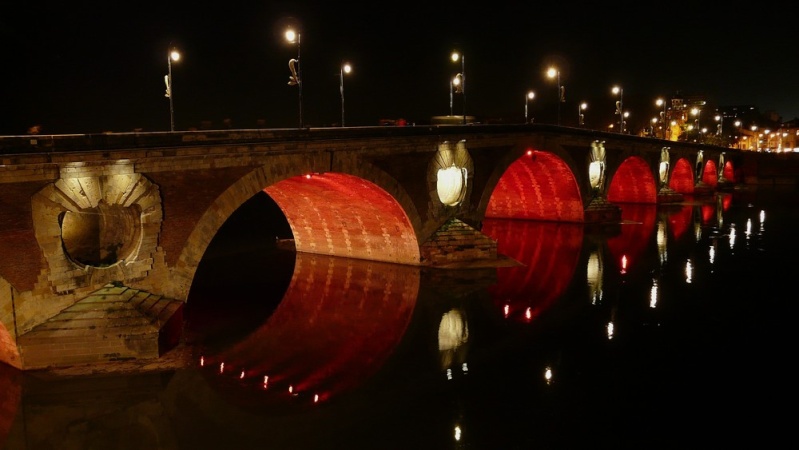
(172, 55)
(461, 77)
(580, 116)
(530, 95)
(660, 102)
(695, 112)
(345, 68)
(552, 72)
(720, 119)
(619, 106)
(295, 79)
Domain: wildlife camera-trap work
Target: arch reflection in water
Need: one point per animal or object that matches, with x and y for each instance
(337, 323)
(548, 253)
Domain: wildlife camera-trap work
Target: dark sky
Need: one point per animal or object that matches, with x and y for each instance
(76, 68)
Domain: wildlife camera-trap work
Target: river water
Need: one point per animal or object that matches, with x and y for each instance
(669, 330)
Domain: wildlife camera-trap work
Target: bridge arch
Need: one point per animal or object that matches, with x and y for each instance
(682, 177)
(358, 212)
(533, 184)
(709, 175)
(633, 182)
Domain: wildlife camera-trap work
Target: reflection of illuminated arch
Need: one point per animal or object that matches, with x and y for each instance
(633, 182)
(536, 186)
(680, 220)
(548, 252)
(710, 176)
(638, 225)
(682, 177)
(338, 322)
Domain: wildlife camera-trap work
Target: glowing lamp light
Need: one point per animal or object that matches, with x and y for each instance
(653, 294)
(595, 173)
(529, 153)
(241, 376)
(221, 367)
(202, 361)
(548, 375)
(451, 185)
(506, 310)
(316, 398)
(610, 330)
(308, 176)
(663, 171)
(594, 272)
(528, 313)
(624, 264)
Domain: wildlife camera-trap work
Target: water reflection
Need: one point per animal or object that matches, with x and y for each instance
(630, 336)
(337, 323)
(548, 253)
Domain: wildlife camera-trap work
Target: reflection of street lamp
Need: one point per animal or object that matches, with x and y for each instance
(619, 106)
(580, 116)
(455, 57)
(661, 102)
(555, 73)
(296, 68)
(530, 95)
(172, 55)
(345, 68)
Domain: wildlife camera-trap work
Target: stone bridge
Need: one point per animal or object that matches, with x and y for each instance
(101, 235)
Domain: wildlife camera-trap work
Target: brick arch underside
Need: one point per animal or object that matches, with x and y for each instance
(710, 176)
(537, 186)
(681, 179)
(729, 172)
(633, 182)
(342, 215)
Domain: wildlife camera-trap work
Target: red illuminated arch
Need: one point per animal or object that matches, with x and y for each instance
(633, 182)
(710, 176)
(682, 177)
(537, 186)
(343, 215)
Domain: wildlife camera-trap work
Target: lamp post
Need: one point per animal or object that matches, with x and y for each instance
(720, 119)
(455, 57)
(172, 55)
(695, 112)
(660, 102)
(530, 95)
(345, 68)
(619, 106)
(553, 72)
(295, 79)
(451, 96)
(580, 116)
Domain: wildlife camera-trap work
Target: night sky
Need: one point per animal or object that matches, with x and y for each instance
(89, 69)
